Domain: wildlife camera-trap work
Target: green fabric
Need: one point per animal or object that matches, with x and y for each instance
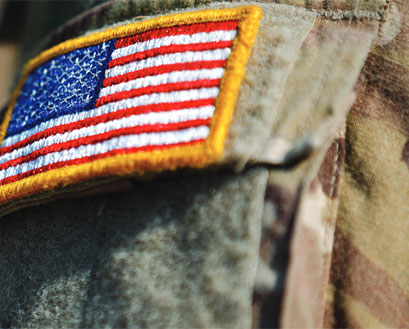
(177, 252)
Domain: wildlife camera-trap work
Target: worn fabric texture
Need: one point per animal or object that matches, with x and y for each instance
(320, 89)
(342, 7)
(177, 252)
(307, 229)
(282, 32)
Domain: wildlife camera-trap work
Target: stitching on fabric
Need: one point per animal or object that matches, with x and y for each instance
(159, 79)
(194, 148)
(65, 142)
(121, 141)
(82, 20)
(330, 222)
(247, 30)
(177, 86)
(171, 49)
(168, 59)
(93, 117)
(339, 14)
(358, 15)
(335, 170)
(102, 124)
(189, 31)
(162, 69)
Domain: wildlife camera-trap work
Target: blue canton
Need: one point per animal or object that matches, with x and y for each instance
(64, 85)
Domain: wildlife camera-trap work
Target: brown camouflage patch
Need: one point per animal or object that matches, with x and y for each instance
(279, 209)
(329, 318)
(385, 92)
(357, 276)
(335, 317)
(330, 170)
(405, 153)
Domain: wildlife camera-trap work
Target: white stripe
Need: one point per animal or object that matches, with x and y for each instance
(185, 57)
(182, 39)
(176, 116)
(170, 97)
(155, 80)
(130, 141)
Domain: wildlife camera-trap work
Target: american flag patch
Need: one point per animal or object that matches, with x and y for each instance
(149, 96)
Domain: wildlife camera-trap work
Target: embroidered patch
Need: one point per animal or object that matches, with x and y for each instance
(149, 96)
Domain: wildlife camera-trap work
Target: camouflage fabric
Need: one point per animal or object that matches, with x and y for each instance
(303, 224)
(369, 284)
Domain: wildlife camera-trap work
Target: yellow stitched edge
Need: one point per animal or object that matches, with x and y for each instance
(192, 155)
(231, 80)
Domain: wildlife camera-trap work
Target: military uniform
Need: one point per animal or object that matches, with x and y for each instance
(298, 222)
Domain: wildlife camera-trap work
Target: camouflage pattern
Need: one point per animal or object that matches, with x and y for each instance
(323, 241)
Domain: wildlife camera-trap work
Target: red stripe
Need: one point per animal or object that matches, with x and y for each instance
(171, 49)
(88, 140)
(161, 69)
(162, 107)
(94, 157)
(177, 30)
(168, 87)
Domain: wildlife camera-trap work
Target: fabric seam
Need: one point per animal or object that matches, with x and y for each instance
(352, 15)
(339, 14)
(334, 173)
(328, 69)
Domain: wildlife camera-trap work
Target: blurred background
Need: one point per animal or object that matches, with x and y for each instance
(24, 25)
(12, 16)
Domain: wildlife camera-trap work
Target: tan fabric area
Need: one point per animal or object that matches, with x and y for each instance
(369, 182)
(281, 33)
(371, 259)
(319, 91)
(359, 316)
